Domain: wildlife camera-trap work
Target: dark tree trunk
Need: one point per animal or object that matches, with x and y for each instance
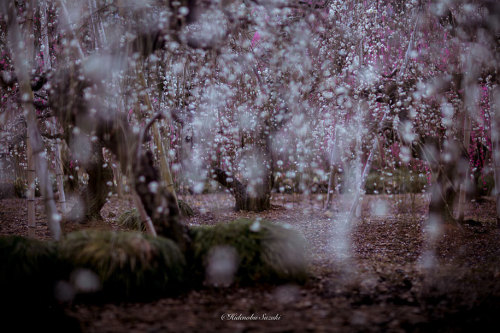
(97, 189)
(257, 200)
(442, 196)
(95, 194)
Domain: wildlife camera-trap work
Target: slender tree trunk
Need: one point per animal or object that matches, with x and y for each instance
(144, 216)
(45, 36)
(465, 173)
(165, 173)
(495, 138)
(34, 137)
(92, 24)
(355, 207)
(59, 170)
(331, 184)
(30, 195)
(31, 174)
(60, 176)
(331, 180)
(118, 177)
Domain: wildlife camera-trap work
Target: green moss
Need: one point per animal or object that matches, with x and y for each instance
(131, 220)
(266, 252)
(128, 264)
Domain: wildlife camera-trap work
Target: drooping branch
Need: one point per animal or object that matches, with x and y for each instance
(231, 183)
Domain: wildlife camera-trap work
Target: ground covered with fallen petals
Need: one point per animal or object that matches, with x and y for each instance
(381, 273)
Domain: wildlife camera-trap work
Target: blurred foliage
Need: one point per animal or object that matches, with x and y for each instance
(398, 181)
(128, 264)
(185, 209)
(20, 188)
(266, 252)
(485, 184)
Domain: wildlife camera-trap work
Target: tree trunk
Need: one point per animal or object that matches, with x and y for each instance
(118, 178)
(442, 195)
(95, 194)
(46, 67)
(144, 216)
(257, 201)
(331, 184)
(165, 173)
(21, 65)
(464, 173)
(30, 195)
(97, 189)
(495, 138)
(60, 177)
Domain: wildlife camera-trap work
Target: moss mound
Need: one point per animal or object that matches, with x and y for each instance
(28, 267)
(131, 220)
(263, 252)
(128, 264)
(133, 265)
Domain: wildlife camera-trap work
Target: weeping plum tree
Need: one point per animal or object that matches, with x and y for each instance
(255, 92)
(457, 92)
(86, 74)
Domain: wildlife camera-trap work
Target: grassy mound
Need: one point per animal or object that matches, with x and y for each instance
(28, 267)
(128, 264)
(260, 251)
(125, 265)
(131, 220)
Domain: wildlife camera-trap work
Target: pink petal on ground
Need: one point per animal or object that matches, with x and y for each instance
(255, 39)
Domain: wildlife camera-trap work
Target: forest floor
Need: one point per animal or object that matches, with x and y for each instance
(381, 274)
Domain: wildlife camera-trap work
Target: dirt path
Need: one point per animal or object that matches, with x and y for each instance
(378, 274)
